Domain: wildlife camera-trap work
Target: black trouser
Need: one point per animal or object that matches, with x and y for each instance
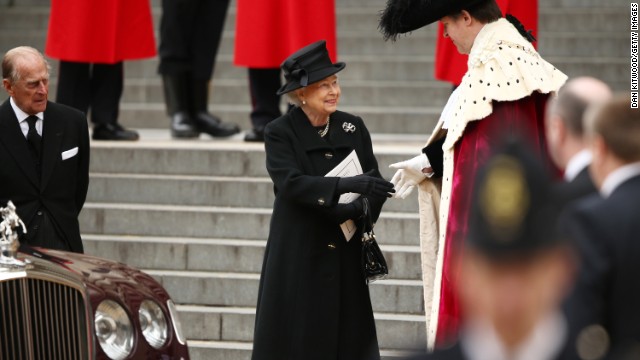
(87, 86)
(265, 104)
(190, 33)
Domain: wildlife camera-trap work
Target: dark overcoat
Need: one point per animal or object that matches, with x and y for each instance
(606, 232)
(62, 187)
(313, 302)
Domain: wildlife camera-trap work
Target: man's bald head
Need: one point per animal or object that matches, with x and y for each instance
(574, 98)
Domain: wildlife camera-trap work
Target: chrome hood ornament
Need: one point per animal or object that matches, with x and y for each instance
(9, 243)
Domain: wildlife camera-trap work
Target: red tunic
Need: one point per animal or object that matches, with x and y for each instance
(451, 65)
(106, 31)
(268, 31)
(523, 118)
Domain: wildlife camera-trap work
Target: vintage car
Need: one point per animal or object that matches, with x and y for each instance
(62, 305)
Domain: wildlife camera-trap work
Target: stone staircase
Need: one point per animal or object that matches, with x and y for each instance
(195, 214)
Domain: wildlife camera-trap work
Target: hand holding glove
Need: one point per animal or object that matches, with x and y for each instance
(352, 210)
(365, 184)
(410, 173)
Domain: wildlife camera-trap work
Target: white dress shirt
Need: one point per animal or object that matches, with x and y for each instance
(576, 164)
(22, 119)
(479, 341)
(617, 177)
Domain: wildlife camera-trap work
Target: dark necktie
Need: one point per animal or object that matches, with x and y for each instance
(34, 139)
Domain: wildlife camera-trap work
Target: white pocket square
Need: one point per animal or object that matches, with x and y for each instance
(69, 153)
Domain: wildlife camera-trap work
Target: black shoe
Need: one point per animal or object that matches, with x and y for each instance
(213, 126)
(182, 126)
(113, 132)
(254, 135)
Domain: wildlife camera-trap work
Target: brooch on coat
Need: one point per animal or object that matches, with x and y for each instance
(348, 127)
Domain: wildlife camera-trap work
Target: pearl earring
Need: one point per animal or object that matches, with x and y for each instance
(304, 102)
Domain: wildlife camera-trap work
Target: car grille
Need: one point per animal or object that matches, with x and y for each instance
(42, 320)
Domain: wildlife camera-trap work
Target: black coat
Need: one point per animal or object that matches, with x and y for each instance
(581, 186)
(313, 302)
(62, 188)
(607, 291)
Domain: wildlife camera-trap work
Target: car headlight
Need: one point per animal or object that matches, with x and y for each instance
(113, 330)
(177, 326)
(153, 323)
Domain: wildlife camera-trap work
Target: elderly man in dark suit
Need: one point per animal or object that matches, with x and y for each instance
(565, 133)
(44, 154)
(606, 228)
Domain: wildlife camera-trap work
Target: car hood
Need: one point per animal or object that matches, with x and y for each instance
(102, 278)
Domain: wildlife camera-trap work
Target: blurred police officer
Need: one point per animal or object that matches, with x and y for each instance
(515, 268)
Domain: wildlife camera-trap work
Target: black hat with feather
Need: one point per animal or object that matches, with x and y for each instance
(403, 16)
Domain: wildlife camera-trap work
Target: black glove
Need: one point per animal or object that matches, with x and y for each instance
(366, 184)
(344, 212)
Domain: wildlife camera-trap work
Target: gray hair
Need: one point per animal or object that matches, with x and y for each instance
(12, 58)
(293, 98)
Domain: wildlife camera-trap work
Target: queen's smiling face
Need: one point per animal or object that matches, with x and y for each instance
(321, 98)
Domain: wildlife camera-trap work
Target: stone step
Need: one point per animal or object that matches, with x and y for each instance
(603, 18)
(382, 120)
(207, 350)
(392, 228)
(241, 290)
(362, 93)
(195, 190)
(157, 154)
(589, 43)
(403, 68)
(362, 69)
(218, 255)
(236, 324)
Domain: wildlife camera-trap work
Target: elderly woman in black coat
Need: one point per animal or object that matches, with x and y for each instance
(313, 301)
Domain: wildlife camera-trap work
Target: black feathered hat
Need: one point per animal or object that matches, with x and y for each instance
(307, 66)
(402, 16)
(515, 209)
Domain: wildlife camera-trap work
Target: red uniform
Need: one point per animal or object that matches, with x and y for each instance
(269, 31)
(106, 32)
(451, 65)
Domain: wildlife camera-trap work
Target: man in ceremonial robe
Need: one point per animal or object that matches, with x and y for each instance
(504, 92)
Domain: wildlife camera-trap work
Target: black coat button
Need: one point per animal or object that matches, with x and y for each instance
(328, 155)
(332, 246)
(321, 201)
(39, 213)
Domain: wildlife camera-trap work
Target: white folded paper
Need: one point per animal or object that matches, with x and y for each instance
(350, 166)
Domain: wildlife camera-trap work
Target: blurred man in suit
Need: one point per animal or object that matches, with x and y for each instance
(44, 154)
(565, 133)
(515, 268)
(606, 229)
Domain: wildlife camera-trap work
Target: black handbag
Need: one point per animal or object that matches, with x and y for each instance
(374, 266)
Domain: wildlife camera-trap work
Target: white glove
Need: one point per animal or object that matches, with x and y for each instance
(409, 175)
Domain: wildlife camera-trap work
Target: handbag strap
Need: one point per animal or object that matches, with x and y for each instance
(367, 222)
